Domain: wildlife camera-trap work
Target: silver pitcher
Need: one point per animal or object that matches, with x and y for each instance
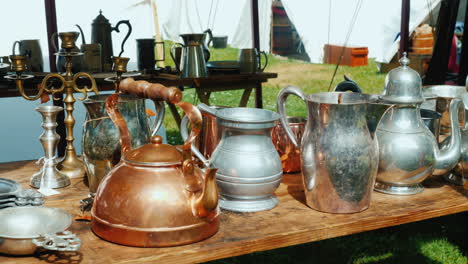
(101, 138)
(249, 167)
(339, 156)
(193, 64)
(408, 151)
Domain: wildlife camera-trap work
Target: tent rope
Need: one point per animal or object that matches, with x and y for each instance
(348, 34)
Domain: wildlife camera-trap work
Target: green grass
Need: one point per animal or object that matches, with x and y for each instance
(438, 241)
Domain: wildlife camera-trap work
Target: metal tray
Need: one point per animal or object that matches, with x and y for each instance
(8, 187)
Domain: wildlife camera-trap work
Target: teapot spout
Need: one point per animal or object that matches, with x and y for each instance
(448, 156)
(205, 205)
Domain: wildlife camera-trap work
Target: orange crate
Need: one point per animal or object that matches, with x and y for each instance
(352, 56)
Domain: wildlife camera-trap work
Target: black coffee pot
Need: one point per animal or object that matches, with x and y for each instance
(101, 31)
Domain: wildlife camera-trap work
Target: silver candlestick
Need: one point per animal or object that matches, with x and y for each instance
(48, 174)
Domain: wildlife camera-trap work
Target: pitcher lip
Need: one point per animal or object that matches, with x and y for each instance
(101, 98)
(252, 119)
(340, 98)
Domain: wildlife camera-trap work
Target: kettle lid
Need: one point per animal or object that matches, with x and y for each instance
(100, 19)
(155, 153)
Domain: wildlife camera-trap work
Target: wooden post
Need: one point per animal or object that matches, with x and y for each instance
(256, 45)
(445, 27)
(51, 21)
(159, 48)
(404, 27)
(464, 55)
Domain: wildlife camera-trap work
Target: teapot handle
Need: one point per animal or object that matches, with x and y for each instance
(172, 52)
(116, 28)
(281, 107)
(193, 115)
(160, 112)
(14, 45)
(83, 41)
(52, 41)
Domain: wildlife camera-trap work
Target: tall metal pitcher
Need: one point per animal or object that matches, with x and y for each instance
(193, 64)
(338, 154)
(101, 138)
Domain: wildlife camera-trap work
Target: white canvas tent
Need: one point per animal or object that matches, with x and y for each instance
(317, 22)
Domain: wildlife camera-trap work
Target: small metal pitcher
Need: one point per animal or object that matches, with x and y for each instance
(250, 61)
(193, 64)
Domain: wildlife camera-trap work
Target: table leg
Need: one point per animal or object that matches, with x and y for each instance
(204, 96)
(258, 96)
(245, 97)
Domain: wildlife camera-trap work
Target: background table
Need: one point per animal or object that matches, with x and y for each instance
(290, 223)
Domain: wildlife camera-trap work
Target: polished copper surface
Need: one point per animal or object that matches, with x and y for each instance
(146, 201)
(289, 154)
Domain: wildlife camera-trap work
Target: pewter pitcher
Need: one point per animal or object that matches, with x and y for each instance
(193, 64)
(249, 167)
(101, 138)
(338, 154)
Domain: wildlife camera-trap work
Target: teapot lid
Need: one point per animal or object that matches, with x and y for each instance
(403, 85)
(100, 19)
(156, 153)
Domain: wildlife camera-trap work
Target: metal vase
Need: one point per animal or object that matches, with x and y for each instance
(339, 156)
(249, 167)
(101, 138)
(193, 64)
(48, 176)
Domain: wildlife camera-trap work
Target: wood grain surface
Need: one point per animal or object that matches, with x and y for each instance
(290, 223)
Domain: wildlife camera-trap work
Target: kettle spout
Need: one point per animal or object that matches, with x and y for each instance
(448, 156)
(205, 205)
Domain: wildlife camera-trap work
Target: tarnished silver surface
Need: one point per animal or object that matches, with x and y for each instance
(20, 225)
(193, 64)
(403, 85)
(249, 167)
(409, 151)
(101, 138)
(339, 156)
(48, 176)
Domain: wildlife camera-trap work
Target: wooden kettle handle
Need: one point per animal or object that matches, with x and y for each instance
(153, 91)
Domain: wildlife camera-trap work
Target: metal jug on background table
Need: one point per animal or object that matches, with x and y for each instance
(193, 63)
(250, 61)
(91, 55)
(101, 139)
(408, 151)
(101, 31)
(32, 50)
(249, 167)
(156, 196)
(338, 153)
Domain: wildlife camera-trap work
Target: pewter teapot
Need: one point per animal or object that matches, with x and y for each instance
(408, 151)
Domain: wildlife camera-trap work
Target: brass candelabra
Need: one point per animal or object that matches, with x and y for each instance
(70, 165)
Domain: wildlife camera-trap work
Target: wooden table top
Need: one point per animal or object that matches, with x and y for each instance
(290, 223)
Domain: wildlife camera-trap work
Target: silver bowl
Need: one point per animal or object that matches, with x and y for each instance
(23, 229)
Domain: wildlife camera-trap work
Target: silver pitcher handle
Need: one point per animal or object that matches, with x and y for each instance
(14, 46)
(184, 133)
(172, 53)
(281, 108)
(160, 112)
(62, 241)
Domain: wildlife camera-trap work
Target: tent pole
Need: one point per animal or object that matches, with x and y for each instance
(464, 55)
(404, 29)
(51, 21)
(256, 45)
(438, 66)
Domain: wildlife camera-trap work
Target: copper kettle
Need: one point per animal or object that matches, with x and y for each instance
(156, 196)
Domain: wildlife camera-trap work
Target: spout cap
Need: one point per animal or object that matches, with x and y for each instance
(403, 85)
